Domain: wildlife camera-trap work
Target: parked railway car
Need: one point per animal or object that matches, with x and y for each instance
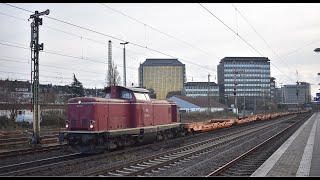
(125, 117)
(210, 125)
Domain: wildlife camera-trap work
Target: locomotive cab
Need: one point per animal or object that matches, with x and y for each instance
(132, 94)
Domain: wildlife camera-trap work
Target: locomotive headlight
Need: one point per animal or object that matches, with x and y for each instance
(67, 125)
(91, 124)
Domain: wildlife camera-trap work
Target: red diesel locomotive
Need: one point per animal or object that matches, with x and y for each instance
(125, 117)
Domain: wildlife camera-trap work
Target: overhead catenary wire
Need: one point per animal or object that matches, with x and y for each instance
(295, 51)
(273, 65)
(81, 36)
(65, 55)
(242, 38)
(151, 27)
(230, 29)
(45, 65)
(76, 35)
(27, 80)
(259, 34)
(113, 37)
(49, 76)
(56, 29)
(57, 67)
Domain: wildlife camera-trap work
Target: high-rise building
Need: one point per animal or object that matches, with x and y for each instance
(162, 75)
(246, 78)
(296, 93)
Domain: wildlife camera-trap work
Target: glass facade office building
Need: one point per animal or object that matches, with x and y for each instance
(290, 93)
(197, 89)
(162, 75)
(250, 76)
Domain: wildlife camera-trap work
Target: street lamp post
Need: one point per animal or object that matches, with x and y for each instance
(318, 51)
(235, 91)
(244, 96)
(226, 101)
(281, 89)
(297, 97)
(124, 63)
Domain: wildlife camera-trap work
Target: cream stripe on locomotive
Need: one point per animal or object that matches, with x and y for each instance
(129, 129)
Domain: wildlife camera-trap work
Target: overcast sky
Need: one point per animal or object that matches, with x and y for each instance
(286, 33)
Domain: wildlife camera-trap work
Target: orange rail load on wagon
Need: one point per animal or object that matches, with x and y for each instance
(209, 125)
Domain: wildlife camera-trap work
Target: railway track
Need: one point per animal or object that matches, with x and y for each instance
(167, 159)
(13, 143)
(17, 143)
(24, 167)
(248, 162)
(43, 170)
(18, 134)
(24, 138)
(24, 151)
(151, 164)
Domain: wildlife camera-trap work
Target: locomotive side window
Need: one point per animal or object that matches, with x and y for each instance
(125, 94)
(142, 96)
(108, 95)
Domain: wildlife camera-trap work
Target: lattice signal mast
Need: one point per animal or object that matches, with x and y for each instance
(35, 48)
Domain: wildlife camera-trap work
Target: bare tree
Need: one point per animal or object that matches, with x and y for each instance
(12, 102)
(113, 77)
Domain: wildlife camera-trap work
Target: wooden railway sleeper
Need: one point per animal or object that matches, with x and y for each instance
(128, 169)
(152, 164)
(153, 161)
(143, 165)
(114, 174)
(123, 172)
(136, 167)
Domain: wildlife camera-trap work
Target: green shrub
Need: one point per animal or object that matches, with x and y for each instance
(53, 118)
(8, 124)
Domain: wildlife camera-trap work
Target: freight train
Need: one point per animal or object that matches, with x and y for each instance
(127, 117)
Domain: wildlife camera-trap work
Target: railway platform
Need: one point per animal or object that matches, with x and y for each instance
(298, 156)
